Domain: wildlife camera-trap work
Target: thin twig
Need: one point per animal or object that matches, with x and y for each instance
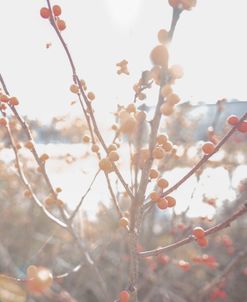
(218, 227)
(114, 199)
(87, 102)
(200, 163)
(83, 197)
(27, 184)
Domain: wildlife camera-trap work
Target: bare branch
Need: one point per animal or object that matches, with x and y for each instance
(83, 197)
(218, 227)
(28, 186)
(201, 162)
(87, 102)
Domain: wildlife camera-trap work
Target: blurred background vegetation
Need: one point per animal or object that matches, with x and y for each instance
(28, 237)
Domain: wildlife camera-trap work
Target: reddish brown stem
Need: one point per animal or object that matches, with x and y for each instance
(218, 227)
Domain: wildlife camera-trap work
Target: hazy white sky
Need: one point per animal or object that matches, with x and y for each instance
(209, 42)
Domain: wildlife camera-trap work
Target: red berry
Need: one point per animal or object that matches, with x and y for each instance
(3, 121)
(232, 120)
(243, 127)
(61, 25)
(162, 204)
(124, 296)
(45, 13)
(198, 232)
(56, 10)
(174, 3)
(208, 148)
(203, 242)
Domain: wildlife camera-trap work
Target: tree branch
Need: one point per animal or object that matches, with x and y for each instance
(218, 227)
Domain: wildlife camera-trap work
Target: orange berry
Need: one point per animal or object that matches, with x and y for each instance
(173, 99)
(86, 139)
(159, 56)
(113, 155)
(166, 90)
(44, 157)
(162, 204)
(58, 190)
(13, 101)
(3, 121)
(95, 148)
(45, 12)
(232, 120)
(131, 108)
(162, 183)
(163, 36)
(4, 98)
(91, 96)
(203, 242)
(198, 232)
(171, 201)
(74, 88)
(174, 3)
(208, 148)
(153, 174)
(49, 201)
(154, 196)
(128, 125)
(3, 107)
(124, 296)
(56, 10)
(176, 72)
(167, 146)
(40, 280)
(166, 109)
(162, 139)
(29, 145)
(158, 153)
(183, 4)
(243, 127)
(112, 147)
(123, 222)
(188, 4)
(61, 25)
(105, 165)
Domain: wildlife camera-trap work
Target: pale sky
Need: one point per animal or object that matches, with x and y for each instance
(209, 43)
